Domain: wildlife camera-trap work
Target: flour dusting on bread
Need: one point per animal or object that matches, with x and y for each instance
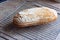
(35, 14)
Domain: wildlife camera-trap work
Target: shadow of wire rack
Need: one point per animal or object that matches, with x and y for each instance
(42, 32)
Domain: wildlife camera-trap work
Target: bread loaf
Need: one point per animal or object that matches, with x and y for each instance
(35, 16)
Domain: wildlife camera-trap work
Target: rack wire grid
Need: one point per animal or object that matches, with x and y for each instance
(8, 31)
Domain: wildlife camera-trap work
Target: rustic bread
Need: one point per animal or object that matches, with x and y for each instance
(35, 16)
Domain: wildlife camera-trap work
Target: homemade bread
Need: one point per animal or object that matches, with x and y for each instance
(34, 16)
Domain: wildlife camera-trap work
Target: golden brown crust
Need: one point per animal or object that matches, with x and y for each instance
(26, 24)
(45, 16)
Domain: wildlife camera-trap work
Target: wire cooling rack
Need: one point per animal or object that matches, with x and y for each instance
(8, 31)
